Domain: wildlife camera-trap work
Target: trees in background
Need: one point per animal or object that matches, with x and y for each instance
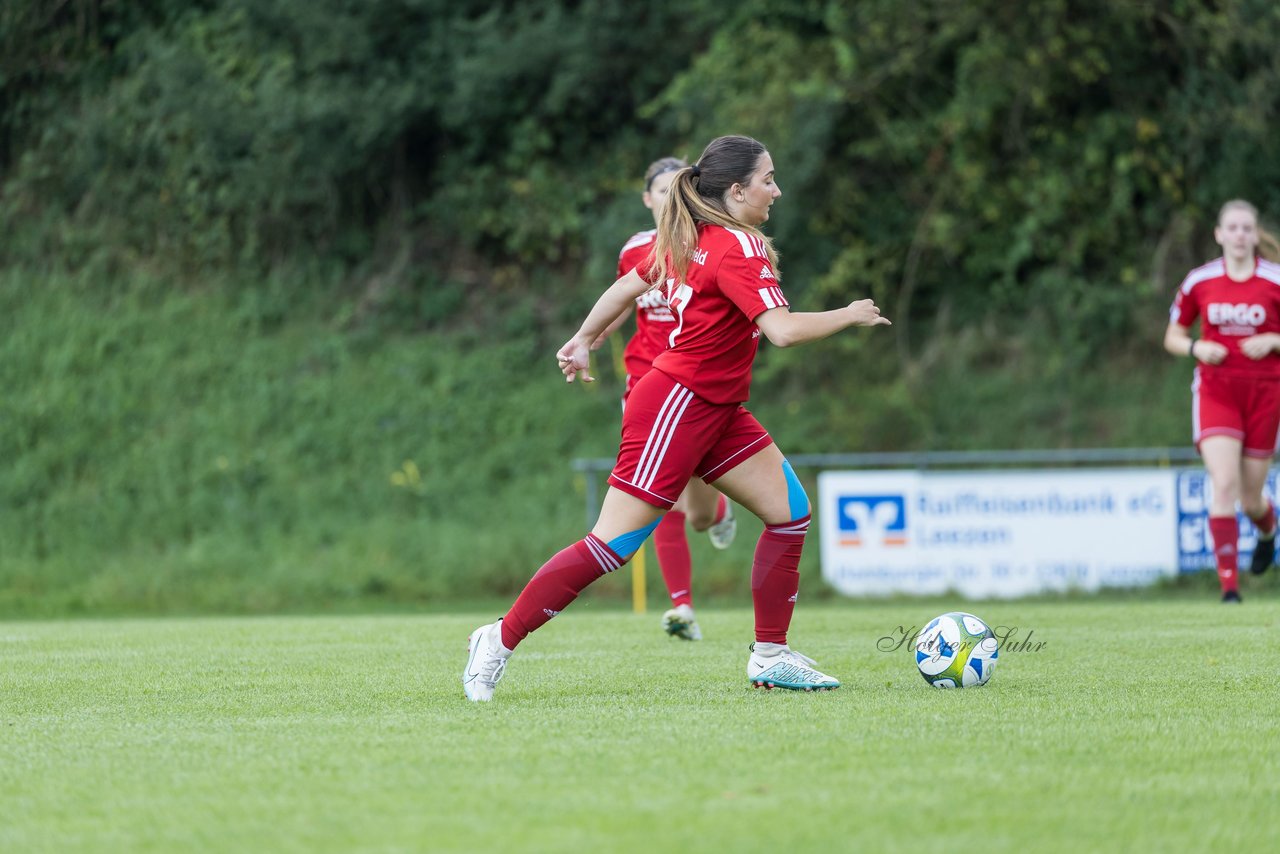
(1048, 157)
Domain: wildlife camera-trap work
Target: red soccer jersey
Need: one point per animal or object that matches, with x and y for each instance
(654, 320)
(1230, 311)
(714, 341)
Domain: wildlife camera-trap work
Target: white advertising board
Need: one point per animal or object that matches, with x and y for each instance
(985, 534)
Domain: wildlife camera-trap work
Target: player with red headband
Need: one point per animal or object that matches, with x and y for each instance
(685, 417)
(702, 506)
(1235, 408)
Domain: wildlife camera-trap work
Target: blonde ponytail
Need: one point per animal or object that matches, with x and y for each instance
(1268, 245)
(697, 196)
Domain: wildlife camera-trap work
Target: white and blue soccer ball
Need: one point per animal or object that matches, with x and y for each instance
(956, 650)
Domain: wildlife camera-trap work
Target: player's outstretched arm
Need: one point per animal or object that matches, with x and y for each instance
(574, 357)
(785, 328)
(612, 327)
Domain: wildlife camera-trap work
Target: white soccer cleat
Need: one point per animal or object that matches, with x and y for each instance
(679, 621)
(722, 533)
(773, 665)
(486, 662)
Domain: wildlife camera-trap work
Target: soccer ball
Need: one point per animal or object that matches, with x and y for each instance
(956, 650)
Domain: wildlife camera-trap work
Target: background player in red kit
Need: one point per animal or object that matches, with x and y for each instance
(685, 416)
(1235, 408)
(702, 506)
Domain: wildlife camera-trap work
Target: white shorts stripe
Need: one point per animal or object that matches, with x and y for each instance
(724, 466)
(663, 498)
(647, 481)
(662, 435)
(643, 463)
(1195, 405)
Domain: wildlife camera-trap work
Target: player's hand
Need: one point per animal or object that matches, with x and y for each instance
(1212, 353)
(574, 358)
(866, 313)
(1255, 346)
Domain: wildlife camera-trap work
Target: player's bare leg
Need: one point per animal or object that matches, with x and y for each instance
(707, 509)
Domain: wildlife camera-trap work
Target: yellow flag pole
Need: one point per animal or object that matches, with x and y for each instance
(637, 582)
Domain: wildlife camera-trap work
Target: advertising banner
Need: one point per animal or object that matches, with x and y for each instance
(1195, 549)
(995, 534)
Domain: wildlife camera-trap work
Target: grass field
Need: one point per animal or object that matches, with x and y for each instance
(1138, 725)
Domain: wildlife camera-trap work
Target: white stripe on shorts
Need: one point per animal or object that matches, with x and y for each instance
(664, 428)
(662, 453)
(1195, 405)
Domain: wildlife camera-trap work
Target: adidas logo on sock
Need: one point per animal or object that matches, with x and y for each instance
(549, 612)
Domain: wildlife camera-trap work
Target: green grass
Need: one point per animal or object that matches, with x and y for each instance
(1139, 725)
(229, 446)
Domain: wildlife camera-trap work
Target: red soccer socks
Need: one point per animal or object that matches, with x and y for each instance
(555, 585)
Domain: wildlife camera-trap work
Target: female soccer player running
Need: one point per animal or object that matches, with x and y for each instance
(1235, 396)
(702, 506)
(685, 416)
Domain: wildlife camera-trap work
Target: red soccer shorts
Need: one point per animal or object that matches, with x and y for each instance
(1244, 408)
(670, 434)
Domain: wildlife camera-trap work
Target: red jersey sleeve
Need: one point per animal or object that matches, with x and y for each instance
(746, 277)
(1186, 306)
(635, 254)
(645, 268)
